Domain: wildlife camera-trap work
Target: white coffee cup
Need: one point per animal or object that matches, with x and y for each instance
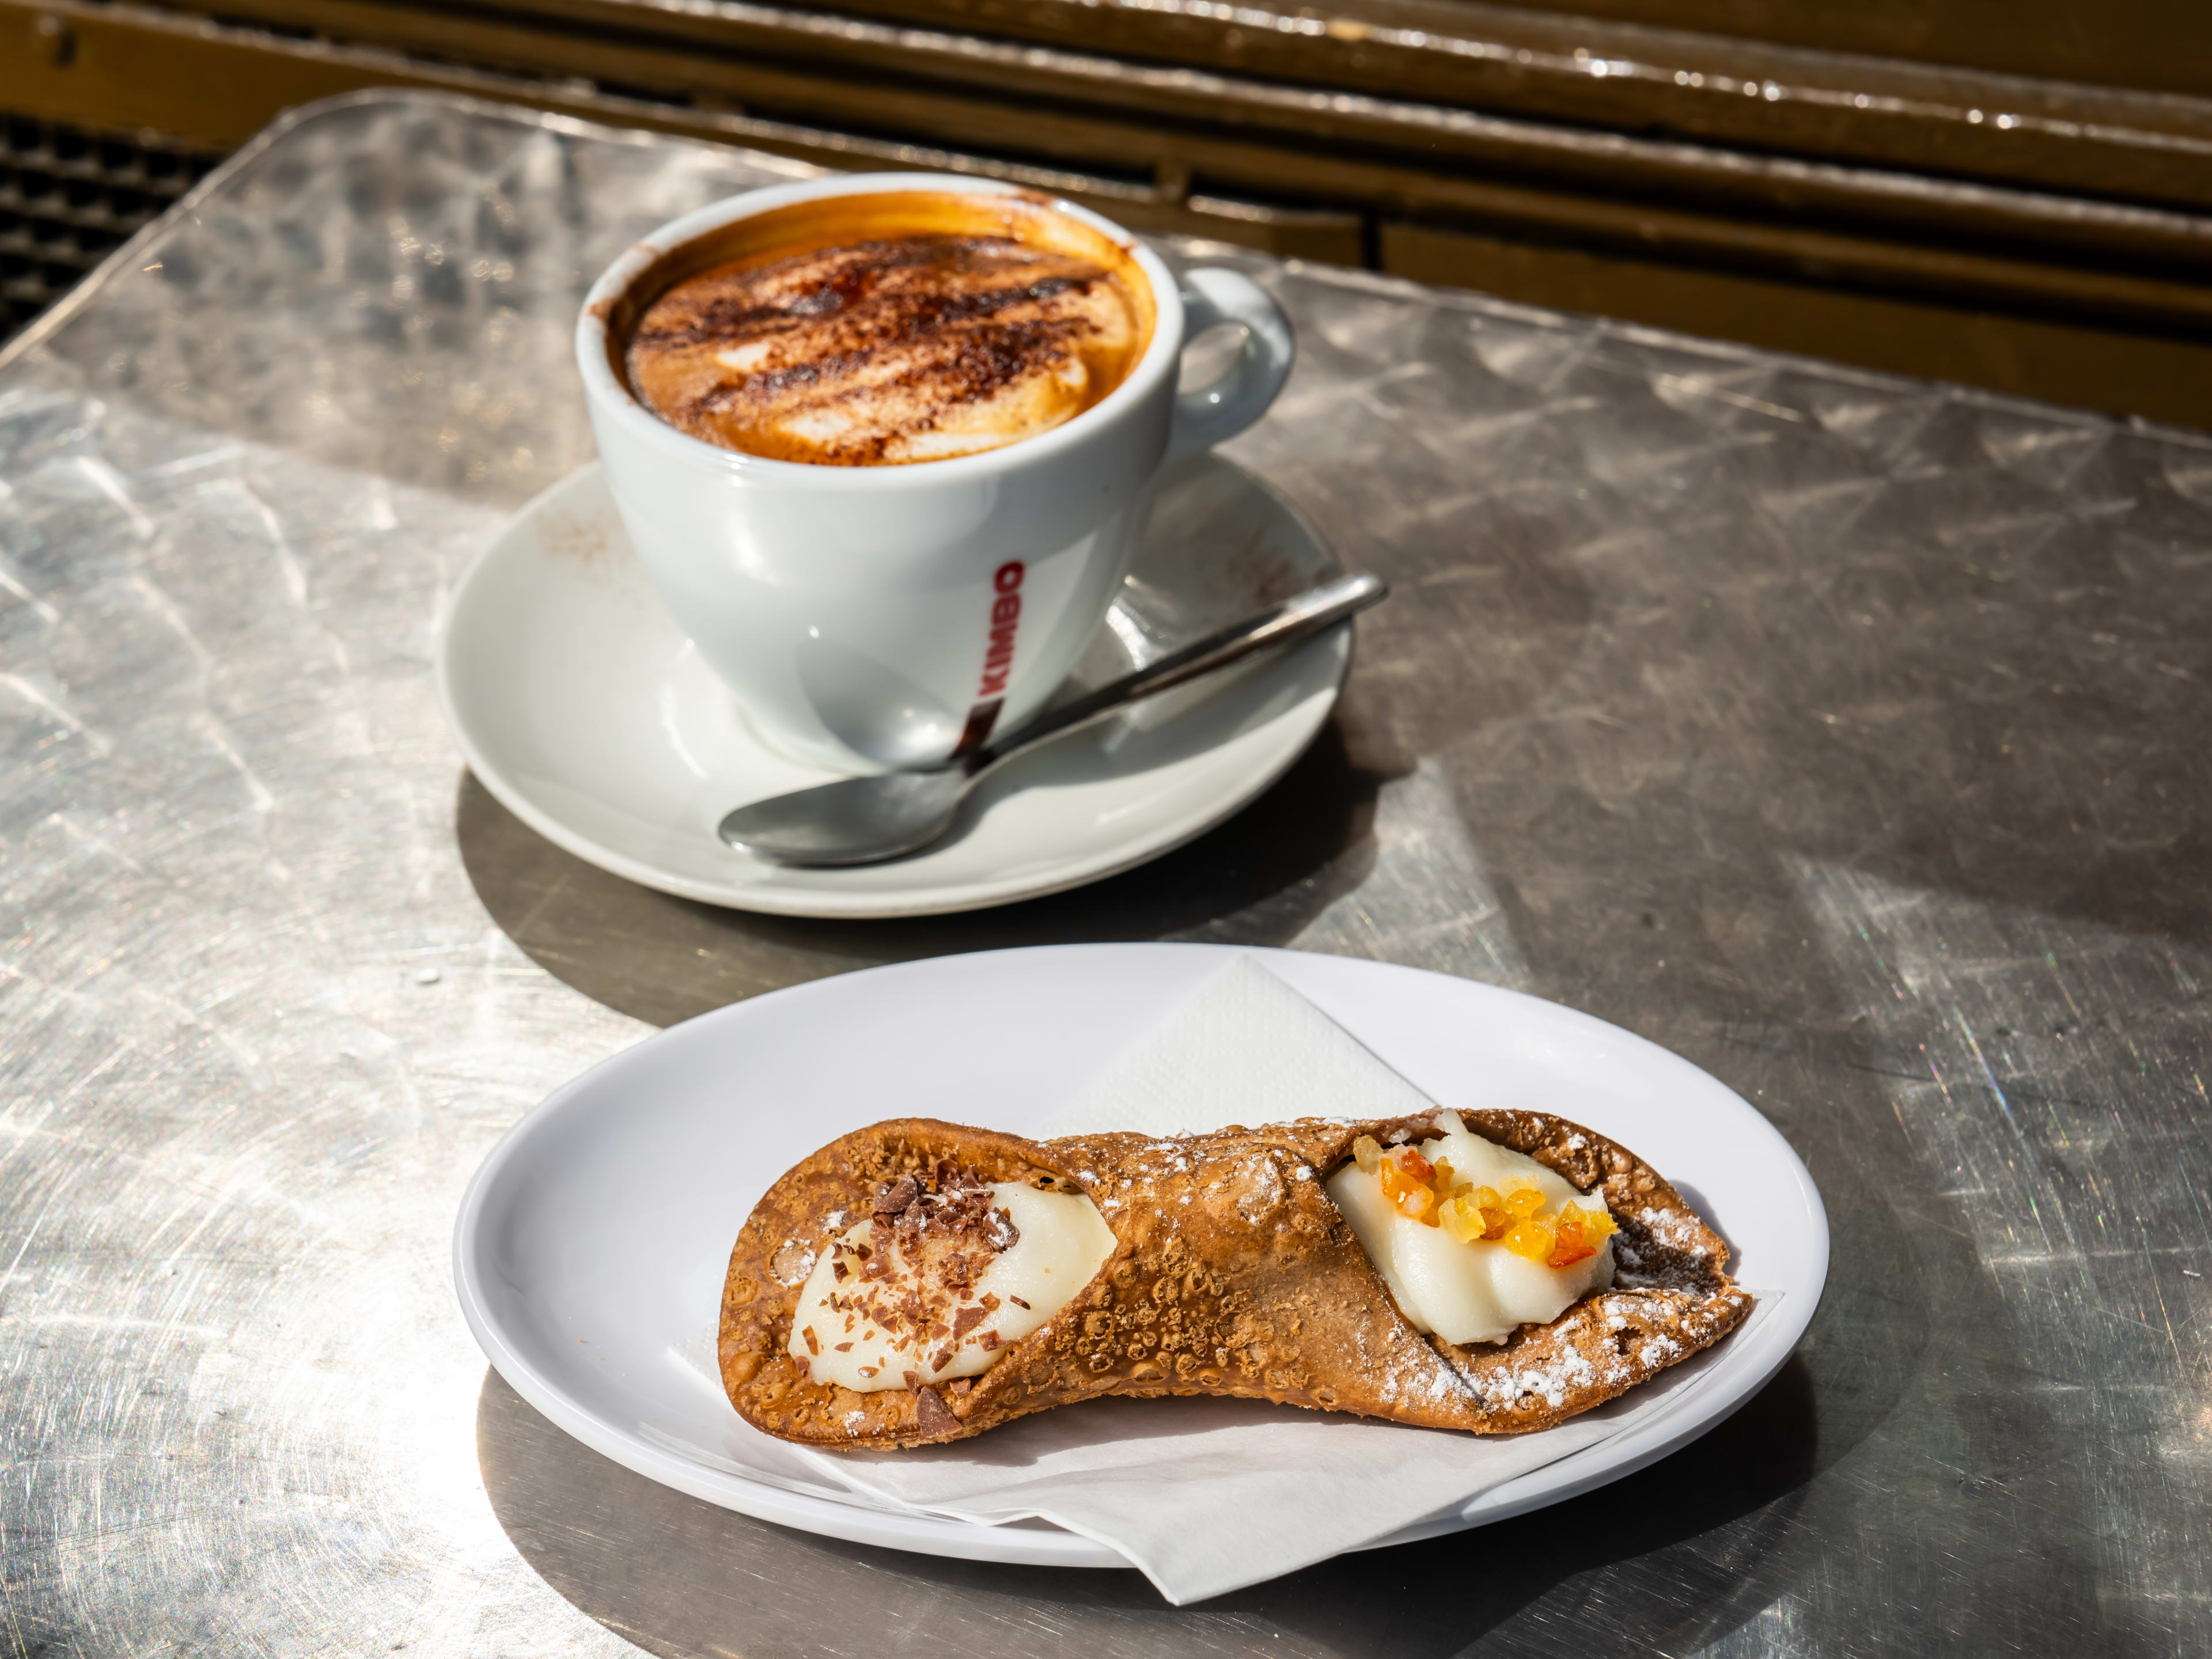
(889, 615)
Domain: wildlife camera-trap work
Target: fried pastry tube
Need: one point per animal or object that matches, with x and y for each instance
(1229, 1272)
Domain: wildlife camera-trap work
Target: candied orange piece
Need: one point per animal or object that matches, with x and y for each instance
(1443, 1179)
(1392, 1175)
(1418, 1167)
(1598, 1226)
(1570, 1246)
(1367, 1152)
(1524, 1202)
(1416, 1203)
(1462, 1218)
(1485, 1207)
(1530, 1239)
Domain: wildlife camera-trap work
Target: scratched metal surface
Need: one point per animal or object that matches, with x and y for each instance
(1845, 735)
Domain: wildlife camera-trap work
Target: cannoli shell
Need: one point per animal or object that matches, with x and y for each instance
(1233, 1273)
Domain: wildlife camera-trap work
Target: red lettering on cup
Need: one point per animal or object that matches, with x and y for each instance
(1006, 617)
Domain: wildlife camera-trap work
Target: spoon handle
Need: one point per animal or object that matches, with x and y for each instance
(1294, 619)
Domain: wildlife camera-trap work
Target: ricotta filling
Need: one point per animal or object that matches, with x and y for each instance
(1479, 1290)
(936, 1286)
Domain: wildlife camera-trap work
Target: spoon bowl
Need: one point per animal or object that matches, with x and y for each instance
(866, 820)
(893, 815)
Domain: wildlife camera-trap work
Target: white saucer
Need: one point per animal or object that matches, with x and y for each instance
(590, 1245)
(591, 717)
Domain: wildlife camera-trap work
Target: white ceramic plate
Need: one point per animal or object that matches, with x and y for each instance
(591, 718)
(590, 1246)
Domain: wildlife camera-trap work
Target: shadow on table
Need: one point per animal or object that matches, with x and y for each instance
(682, 1578)
(1258, 879)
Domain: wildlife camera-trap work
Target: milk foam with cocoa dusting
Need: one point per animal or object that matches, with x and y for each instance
(938, 1283)
(887, 351)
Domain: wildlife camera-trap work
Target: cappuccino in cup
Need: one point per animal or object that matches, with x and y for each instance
(885, 330)
(885, 444)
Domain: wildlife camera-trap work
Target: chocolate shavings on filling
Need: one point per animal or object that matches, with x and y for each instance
(941, 1237)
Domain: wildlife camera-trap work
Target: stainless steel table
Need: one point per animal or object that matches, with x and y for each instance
(1847, 735)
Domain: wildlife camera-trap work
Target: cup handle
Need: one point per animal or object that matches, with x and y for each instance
(1208, 414)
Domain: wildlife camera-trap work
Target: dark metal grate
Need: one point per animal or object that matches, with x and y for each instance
(68, 198)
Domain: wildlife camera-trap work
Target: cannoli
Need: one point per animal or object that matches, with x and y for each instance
(1495, 1272)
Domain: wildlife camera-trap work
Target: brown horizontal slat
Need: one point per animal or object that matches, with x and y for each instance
(2053, 134)
(1076, 139)
(2155, 377)
(2135, 43)
(213, 84)
(806, 62)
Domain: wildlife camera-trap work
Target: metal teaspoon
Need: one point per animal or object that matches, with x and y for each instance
(888, 815)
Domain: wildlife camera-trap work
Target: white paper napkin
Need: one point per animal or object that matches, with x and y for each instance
(1205, 1496)
(1243, 1048)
